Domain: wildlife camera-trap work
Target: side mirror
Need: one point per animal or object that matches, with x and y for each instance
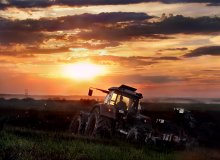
(90, 92)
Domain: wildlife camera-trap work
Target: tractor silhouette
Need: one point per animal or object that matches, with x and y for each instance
(119, 114)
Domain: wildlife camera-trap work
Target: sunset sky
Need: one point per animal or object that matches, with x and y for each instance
(165, 48)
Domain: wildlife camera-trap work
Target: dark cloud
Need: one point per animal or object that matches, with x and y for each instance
(48, 3)
(211, 70)
(7, 37)
(156, 30)
(70, 22)
(102, 28)
(168, 58)
(174, 49)
(30, 51)
(162, 79)
(208, 50)
(188, 25)
(29, 31)
(121, 34)
(140, 79)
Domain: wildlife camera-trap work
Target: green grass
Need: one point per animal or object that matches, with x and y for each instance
(26, 144)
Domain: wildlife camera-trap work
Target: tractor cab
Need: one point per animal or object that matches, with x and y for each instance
(120, 101)
(124, 99)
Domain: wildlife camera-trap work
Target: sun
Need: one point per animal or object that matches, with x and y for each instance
(83, 71)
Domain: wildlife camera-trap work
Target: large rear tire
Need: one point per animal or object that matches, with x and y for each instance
(98, 125)
(104, 127)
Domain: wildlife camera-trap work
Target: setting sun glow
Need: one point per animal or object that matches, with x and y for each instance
(83, 71)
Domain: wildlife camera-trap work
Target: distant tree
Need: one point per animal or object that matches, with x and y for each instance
(28, 99)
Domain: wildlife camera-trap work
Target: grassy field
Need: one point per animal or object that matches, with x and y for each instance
(36, 129)
(18, 143)
(25, 144)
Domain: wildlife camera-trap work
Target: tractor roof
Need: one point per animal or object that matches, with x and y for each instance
(127, 90)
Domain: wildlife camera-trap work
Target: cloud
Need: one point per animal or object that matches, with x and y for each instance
(47, 3)
(131, 62)
(140, 79)
(156, 30)
(105, 26)
(211, 70)
(20, 37)
(188, 25)
(207, 50)
(174, 49)
(168, 58)
(31, 31)
(98, 31)
(70, 22)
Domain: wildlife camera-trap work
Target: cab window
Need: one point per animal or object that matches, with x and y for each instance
(128, 101)
(113, 99)
(125, 99)
(107, 98)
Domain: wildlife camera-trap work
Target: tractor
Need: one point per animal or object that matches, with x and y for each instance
(119, 114)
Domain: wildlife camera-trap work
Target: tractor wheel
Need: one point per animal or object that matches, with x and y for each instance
(78, 124)
(137, 134)
(104, 127)
(91, 124)
(98, 125)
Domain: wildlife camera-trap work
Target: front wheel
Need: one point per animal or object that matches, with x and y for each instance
(78, 124)
(75, 125)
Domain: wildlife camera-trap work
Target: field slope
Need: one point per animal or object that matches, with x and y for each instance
(22, 144)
